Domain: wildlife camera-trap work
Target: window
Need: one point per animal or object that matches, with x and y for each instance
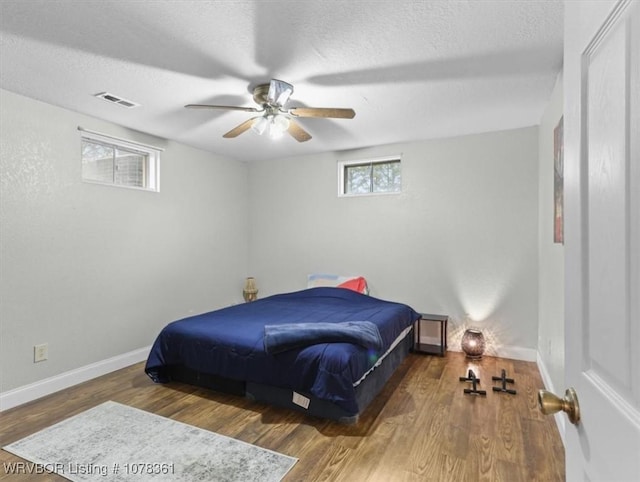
(376, 176)
(108, 160)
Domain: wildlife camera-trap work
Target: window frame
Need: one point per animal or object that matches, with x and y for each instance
(152, 170)
(345, 164)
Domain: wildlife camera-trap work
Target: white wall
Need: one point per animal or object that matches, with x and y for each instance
(97, 271)
(551, 286)
(461, 239)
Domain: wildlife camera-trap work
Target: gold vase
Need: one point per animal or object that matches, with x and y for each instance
(250, 291)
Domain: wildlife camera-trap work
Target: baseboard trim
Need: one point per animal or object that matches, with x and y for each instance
(33, 391)
(512, 352)
(429, 340)
(41, 388)
(546, 379)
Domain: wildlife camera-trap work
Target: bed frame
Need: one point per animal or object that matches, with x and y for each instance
(366, 391)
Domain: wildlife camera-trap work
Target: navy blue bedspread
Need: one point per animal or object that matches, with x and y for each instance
(230, 343)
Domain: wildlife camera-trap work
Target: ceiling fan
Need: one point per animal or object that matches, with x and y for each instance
(275, 118)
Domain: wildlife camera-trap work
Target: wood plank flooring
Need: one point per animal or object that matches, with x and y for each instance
(420, 428)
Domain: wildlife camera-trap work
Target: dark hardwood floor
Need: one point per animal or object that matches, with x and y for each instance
(421, 427)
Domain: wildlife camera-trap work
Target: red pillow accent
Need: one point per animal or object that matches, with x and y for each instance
(356, 284)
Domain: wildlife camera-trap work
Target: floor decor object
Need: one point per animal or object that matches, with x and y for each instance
(473, 343)
(504, 380)
(116, 442)
(475, 381)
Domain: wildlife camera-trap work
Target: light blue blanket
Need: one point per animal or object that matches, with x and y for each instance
(279, 338)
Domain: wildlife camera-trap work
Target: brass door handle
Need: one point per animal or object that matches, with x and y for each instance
(550, 404)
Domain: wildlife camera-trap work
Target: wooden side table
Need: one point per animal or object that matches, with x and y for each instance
(429, 348)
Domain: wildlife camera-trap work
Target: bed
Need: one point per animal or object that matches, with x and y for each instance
(325, 351)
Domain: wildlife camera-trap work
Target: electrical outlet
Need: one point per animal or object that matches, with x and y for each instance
(40, 352)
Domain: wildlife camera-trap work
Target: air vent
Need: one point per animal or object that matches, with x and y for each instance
(114, 99)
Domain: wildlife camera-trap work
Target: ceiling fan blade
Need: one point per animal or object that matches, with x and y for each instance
(279, 92)
(297, 132)
(323, 112)
(245, 126)
(222, 107)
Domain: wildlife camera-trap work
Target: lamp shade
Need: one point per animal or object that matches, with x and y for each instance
(250, 291)
(260, 126)
(274, 125)
(473, 343)
(279, 124)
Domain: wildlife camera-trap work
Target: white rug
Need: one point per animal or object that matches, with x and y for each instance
(121, 443)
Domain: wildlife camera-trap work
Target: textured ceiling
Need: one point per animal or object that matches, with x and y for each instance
(411, 70)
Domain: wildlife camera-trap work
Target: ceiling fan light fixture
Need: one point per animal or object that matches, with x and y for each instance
(261, 125)
(275, 118)
(273, 125)
(279, 92)
(278, 126)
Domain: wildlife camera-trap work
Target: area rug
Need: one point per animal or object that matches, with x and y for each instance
(117, 442)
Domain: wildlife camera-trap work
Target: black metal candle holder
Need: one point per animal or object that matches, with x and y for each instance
(503, 378)
(475, 381)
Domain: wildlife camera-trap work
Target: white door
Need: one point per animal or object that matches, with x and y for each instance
(602, 237)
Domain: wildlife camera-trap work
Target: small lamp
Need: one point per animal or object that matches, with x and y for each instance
(473, 343)
(250, 291)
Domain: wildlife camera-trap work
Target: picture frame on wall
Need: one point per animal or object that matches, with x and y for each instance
(558, 183)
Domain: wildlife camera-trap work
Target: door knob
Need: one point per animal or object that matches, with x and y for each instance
(550, 404)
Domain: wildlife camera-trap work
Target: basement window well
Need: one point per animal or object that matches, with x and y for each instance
(118, 162)
(366, 177)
